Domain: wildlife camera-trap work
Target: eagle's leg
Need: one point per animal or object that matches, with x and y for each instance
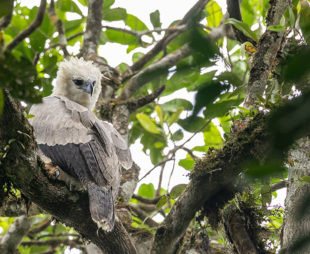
(52, 170)
(55, 172)
(73, 183)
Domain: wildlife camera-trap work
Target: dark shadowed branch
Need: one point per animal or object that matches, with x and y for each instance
(30, 29)
(6, 20)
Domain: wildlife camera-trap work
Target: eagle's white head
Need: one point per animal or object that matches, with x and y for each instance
(79, 81)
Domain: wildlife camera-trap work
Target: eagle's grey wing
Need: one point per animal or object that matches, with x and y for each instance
(84, 147)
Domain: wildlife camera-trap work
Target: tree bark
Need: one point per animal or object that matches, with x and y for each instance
(296, 228)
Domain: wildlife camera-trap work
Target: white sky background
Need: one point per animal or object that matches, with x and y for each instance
(115, 54)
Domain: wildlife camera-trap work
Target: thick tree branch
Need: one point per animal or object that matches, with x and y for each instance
(268, 47)
(29, 176)
(13, 237)
(6, 20)
(30, 29)
(210, 175)
(238, 231)
(93, 27)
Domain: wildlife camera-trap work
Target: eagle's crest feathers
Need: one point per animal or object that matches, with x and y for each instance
(78, 68)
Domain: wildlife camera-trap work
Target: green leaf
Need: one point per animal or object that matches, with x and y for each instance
(147, 190)
(276, 28)
(242, 27)
(174, 105)
(188, 163)
(5, 7)
(84, 2)
(292, 17)
(28, 116)
(266, 195)
(156, 155)
(175, 116)
(115, 14)
(161, 202)
(212, 136)
(220, 108)
(215, 14)
(192, 123)
(147, 123)
(159, 113)
(135, 23)
(177, 190)
(177, 136)
(155, 19)
(121, 37)
(106, 4)
(68, 6)
(306, 179)
(136, 56)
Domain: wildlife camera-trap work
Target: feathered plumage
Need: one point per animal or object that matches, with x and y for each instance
(69, 133)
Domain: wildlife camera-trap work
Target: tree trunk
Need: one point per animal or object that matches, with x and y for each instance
(296, 228)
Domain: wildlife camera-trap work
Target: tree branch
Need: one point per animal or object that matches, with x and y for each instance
(55, 198)
(209, 175)
(268, 47)
(6, 20)
(30, 29)
(93, 27)
(13, 237)
(153, 70)
(158, 68)
(60, 28)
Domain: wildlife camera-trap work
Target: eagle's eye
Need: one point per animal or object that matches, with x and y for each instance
(78, 82)
(94, 83)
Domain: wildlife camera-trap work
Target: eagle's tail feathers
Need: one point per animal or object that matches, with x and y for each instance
(101, 206)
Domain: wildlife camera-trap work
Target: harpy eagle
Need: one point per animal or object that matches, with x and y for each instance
(70, 135)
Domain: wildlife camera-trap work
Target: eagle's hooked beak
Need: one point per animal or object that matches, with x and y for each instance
(88, 87)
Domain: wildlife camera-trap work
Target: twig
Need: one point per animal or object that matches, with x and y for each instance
(53, 242)
(160, 179)
(68, 39)
(60, 28)
(30, 29)
(151, 170)
(171, 173)
(6, 20)
(146, 200)
(93, 27)
(43, 225)
(143, 216)
(58, 235)
(140, 102)
(279, 185)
